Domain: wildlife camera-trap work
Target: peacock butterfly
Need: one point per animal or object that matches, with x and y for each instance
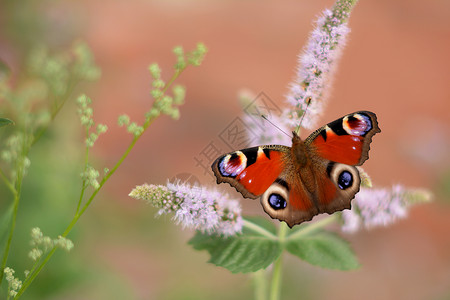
(314, 176)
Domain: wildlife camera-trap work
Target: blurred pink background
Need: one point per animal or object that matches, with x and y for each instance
(396, 63)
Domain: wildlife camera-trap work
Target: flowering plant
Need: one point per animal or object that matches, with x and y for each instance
(57, 75)
(243, 244)
(238, 243)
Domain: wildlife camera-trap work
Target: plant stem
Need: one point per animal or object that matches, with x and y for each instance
(83, 184)
(260, 284)
(7, 182)
(275, 286)
(311, 227)
(13, 223)
(252, 226)
(54, 112)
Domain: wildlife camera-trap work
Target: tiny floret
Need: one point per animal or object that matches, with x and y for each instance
(90, 176)
(158, 84)
(101, 128)
(196, 57)
(179, 53)
(155, 70)
(179, 93)
(135, 129)
(64, 243)
(35, 254)
(14, 284)
(123, 120)
(36, 234)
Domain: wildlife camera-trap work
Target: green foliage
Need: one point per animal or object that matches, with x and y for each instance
(47, 83)
(33, 99)
(240, 253)
(324, 249)
(4, 122)
(258, 247)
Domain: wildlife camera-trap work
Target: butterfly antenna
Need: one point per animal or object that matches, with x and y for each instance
(308, 102)
(265, 118)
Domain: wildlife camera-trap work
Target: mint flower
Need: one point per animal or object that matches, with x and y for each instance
(316, 66)
(380, 207)
(194, 207)
(311, 85)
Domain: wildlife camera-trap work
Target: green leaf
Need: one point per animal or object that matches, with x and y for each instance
(240, 253)
(324, 249)
(4, 122)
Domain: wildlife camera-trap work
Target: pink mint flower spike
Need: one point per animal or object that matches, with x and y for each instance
(194, 207)
(380, 207)
(316, 69)
(207, 210)
(313, 80)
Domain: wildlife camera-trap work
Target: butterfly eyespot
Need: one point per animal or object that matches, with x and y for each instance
(233, 164)
(277, 202)
(357, 124)
(345, 180)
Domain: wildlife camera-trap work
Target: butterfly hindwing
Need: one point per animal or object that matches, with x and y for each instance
(332, 186)
(251, 171)
(288, 200)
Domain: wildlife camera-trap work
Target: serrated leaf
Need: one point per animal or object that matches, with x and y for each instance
(261, 222)
(4, 122)
(240, 253)
(324, 249)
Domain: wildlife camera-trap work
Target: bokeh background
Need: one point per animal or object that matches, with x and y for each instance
(396, 63)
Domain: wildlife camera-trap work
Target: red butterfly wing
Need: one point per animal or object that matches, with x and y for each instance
(347, 139)
(251, 171)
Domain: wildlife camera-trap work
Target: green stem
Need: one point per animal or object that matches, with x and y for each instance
(83, 184)
(54, 112)
(312, 227)
(252, 226)
(7, 182)
(275, 286)
(13, 224)
(260, 284)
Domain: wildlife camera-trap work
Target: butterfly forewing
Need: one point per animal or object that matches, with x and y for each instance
(346, 140)
(251, 171)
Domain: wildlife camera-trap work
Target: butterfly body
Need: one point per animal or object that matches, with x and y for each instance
(314, 176)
